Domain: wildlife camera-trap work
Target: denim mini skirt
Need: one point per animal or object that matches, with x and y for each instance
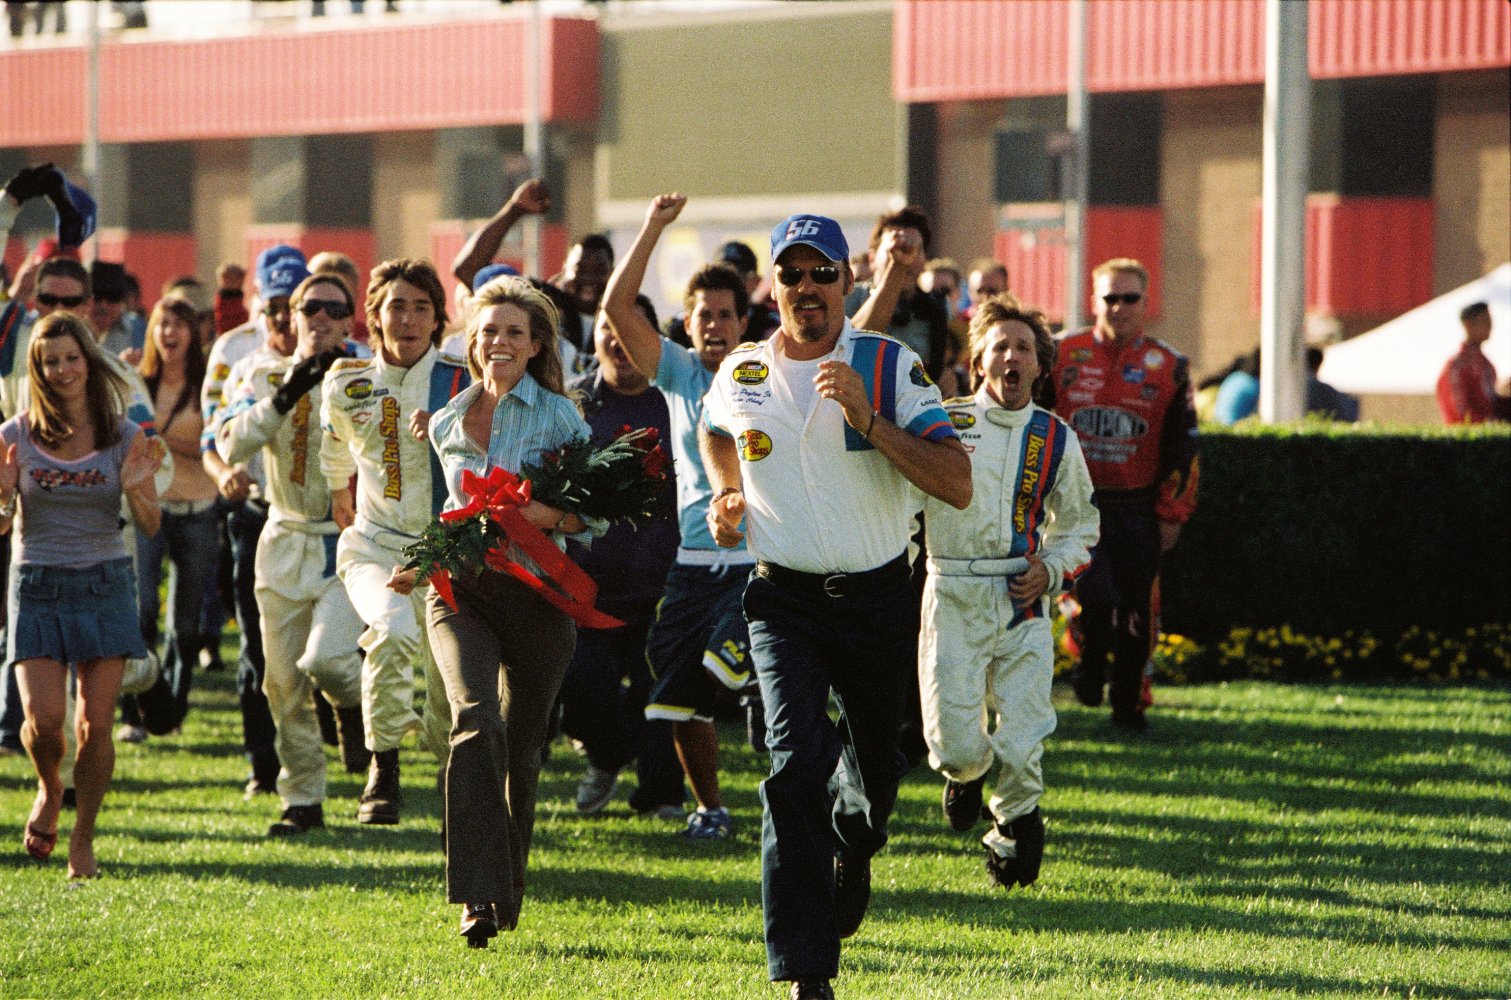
(73, 614)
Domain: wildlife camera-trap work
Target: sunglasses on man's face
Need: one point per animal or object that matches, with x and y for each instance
(823, 274)
(334, 309)
(65, 301)
(1127, 298)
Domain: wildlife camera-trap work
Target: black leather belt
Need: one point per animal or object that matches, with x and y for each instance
(836, 584)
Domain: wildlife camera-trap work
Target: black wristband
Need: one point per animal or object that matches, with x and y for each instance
(870, 426)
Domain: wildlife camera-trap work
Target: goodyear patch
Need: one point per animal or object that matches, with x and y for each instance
(744, 347)
(1081, 355)
(754, 445)
(961, 419)
(359, 388)
(751, 372)
(1153, 358)
(918, 376)
(1133, 374)
(221, 373)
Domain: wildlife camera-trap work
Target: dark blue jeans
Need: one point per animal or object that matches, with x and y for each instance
(11, 712)
(607, 714)
(831, 787)
(191, 544)
(244, 523)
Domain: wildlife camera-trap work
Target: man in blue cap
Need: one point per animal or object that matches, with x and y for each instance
(816, 440)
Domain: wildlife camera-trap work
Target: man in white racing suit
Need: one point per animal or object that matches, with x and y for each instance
(310, 631)
(985, 647)
(375, 414)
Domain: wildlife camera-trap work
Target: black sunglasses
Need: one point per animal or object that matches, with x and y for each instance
(823, 274)
(66, 301)
(333, 308)
(1127, 298)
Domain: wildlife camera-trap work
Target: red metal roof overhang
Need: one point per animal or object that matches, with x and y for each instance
(304, 82)
(963, 50)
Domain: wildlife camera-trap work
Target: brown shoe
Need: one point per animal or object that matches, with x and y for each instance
(479, 924)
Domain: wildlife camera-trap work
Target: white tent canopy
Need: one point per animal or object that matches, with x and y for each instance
(1405, 355)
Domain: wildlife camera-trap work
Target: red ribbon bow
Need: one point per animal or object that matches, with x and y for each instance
(501, 495)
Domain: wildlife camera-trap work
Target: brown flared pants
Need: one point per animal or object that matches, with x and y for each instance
(502, 656)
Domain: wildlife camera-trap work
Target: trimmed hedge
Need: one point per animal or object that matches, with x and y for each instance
(1325, 528)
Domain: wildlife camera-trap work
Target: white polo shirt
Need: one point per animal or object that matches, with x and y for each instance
(819, 497)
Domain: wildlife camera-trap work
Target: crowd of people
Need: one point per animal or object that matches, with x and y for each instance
(837, 529)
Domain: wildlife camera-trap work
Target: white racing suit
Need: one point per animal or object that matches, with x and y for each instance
(310, 631)
(365, 411)
(978, 654)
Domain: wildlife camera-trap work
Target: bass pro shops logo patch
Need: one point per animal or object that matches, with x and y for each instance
(754, 445)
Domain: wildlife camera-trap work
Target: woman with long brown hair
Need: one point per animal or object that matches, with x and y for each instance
(173, 367)
(65, 464)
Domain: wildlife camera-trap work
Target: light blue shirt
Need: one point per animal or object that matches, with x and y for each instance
(683, 380)
(527, 421)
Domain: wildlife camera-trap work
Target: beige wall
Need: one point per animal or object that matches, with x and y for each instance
(1472, 175)
(405, 197)
(1210, 180)
(964, 195)
(789, 99)
(222, 204)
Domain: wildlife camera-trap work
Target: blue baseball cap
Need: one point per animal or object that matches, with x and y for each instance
(490, 272)
(819, 232)
(280, 268)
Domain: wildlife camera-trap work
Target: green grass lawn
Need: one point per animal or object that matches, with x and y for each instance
(1343, 841)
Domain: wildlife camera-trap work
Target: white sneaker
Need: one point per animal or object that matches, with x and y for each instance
(595, 790)
(131, 734)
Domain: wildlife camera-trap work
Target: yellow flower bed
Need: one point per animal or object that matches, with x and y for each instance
(1480, 653)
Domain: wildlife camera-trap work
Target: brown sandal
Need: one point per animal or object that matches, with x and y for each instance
(39, 843)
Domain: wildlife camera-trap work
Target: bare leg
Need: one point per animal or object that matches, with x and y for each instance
(99, 686)
(698, 749)
(43, 685)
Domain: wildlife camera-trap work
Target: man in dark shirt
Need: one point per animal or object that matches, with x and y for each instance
(629, 565)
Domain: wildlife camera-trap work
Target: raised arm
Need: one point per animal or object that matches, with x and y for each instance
(530, 198)
(641, 341)
(897, 257)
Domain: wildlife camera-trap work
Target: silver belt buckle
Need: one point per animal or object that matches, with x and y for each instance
(829, 587)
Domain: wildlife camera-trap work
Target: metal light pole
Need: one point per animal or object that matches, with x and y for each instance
(1287, 158)
(1075, 171)
(533, 151)
(90, 154)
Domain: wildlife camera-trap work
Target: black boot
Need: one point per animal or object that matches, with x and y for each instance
(264, 777)
(381, 798)
(325, 714)
(354, 754)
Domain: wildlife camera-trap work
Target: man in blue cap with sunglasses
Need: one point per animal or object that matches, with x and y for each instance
(815, 441)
